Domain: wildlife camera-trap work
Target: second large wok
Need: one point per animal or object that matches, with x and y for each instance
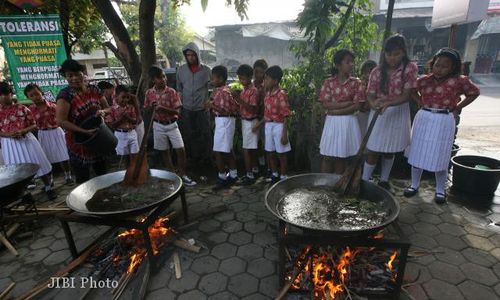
(368, 191)
(78, 198)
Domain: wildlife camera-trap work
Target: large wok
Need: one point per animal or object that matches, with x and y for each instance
(78, 198)
(368, 191)
(14, 179)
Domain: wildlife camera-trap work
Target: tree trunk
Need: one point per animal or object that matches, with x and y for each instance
(343, 23)
(147, 36)
(64, 15)
(124, 49)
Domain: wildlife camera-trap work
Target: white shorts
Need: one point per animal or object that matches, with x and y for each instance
(127, 142)
(273, 138)
(224, 134)
(250, 138)
(163, 133)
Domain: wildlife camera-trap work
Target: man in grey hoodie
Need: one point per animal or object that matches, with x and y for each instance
(192, 85)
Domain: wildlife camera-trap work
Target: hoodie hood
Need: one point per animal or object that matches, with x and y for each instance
(192, 46)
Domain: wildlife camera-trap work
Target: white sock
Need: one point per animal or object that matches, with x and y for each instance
(255, 170)
(282, 177)
(275, 174)
(441, 181)
(386, 168)
(367, 171)
(416, 174)
(67, 175)
(222, 176)
(48, 188)
(250, 175)
(233, 173)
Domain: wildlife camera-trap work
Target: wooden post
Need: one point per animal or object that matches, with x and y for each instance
(451, 36)
(388, 20)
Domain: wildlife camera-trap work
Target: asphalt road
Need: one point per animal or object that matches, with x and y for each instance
(485, 111)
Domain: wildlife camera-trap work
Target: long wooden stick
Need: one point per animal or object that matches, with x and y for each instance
(7, 290)
(8, 245)
(65, 271)
(299, 265)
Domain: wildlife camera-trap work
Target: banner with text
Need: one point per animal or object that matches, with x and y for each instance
(34, 49)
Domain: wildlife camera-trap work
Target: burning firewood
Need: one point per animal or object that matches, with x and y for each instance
(299, 265)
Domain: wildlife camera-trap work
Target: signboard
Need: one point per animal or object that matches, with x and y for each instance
(494, 6)
(450, 12)
(34, 50)
(401, 4)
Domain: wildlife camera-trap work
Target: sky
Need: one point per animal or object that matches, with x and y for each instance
(258, 11)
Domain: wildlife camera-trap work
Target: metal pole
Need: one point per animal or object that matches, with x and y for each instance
(388, 20)
(451, 36)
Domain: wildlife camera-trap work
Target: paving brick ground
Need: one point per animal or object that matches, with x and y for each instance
(459, 257)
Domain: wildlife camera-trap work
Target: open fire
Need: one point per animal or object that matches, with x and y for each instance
(328, 272)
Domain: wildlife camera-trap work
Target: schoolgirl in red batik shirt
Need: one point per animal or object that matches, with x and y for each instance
(225, 110)
(50, 135)
(440, 95)
(389, 90)
(341, 96)
(19, 145)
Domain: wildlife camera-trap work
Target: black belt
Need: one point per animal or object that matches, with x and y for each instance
(166, 122)
(226, 116)
(44, 129)
(249, 119)
(123, 130)
(437, 110)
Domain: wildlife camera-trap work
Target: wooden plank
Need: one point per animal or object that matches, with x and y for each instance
(181, 243)
(177, 265)
(8, 245)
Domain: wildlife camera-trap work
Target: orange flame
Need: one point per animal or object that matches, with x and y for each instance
(391, 260)
(158, 232)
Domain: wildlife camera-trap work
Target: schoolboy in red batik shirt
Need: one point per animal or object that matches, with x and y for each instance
(225, 110)
(165, 128)
(276, 111)
(249, 113)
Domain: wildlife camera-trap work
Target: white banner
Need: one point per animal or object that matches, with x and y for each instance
(449, 12)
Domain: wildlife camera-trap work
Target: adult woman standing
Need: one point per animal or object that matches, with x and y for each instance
(75, 104)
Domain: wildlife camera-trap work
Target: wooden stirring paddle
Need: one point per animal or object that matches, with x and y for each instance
(349, 183)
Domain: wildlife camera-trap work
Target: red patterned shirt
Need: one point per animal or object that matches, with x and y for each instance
(15, 117)
(117, 111)
(276, 106)
(45, 116)
(261, 94)
(168, 98)
(249, 95)
(335, 91)
(444, 94)
(396, 83)
(224, 102)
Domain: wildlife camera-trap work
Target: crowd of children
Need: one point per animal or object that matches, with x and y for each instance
(263, 108)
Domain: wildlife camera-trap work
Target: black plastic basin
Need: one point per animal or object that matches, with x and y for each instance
(475, 174)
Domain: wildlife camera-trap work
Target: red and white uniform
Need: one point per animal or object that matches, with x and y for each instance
(276, 109)
(125, 131)
(341, 135)
(25, 149)
(50, 135)
(165, 127)
(391, 132)
(225, 122)
(249, 117)
(434, 125)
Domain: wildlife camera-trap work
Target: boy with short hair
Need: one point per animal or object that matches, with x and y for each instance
(259, 68)
(225, 110)
(167, 109)
(123, 119)
(108, 91)
(276, 111)
(249, 113)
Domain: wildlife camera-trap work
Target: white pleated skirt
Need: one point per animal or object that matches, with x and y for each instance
(363, 121)
(53, 144)
(432, 141)
(25, 150)
(341, 136)
(391, 132)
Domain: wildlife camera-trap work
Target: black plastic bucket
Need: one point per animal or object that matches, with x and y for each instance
(454, 150)
(103, 141)
(475, 174)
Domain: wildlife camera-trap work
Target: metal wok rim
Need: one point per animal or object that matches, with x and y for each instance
(130, 211)
(390, 219)
(9, 183)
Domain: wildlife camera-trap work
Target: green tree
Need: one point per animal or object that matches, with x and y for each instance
(328, 26)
